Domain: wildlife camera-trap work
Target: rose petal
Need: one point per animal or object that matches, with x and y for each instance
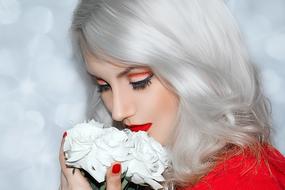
(75, 156)
(137, 179)
(159, 178)
(104, 159)
(153, 183)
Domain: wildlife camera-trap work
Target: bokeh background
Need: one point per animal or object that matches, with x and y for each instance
(43, 90)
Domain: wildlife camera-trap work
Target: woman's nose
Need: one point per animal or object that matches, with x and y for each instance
(123, 105)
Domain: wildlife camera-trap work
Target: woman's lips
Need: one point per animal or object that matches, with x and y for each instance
(143, 127)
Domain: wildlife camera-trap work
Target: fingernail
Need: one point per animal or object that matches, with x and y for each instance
(116, 168)
(64, 134)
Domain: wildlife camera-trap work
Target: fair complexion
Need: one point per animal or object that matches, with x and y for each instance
(134, 95)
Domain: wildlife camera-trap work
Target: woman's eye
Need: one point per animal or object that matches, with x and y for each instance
(103, 87)
(136, 85)
(142, 83)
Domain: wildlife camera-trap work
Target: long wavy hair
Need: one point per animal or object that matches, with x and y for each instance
(196, 50)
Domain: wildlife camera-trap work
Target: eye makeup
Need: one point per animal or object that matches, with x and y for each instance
(131, 75)
(141, 84)
(136, 85)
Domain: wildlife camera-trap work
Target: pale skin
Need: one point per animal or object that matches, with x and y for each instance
(151, 103)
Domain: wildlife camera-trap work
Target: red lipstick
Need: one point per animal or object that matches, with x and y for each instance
(143, 127)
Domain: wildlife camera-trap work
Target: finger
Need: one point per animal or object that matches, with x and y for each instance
(113, 177)
(63, 182)
(61, 153)
(71, 176)
(67, 171)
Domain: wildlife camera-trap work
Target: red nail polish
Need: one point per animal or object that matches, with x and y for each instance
(64, 134)
(116, 168)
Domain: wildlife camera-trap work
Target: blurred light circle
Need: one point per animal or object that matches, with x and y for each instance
(274, 10)
(67, 115)
(275, 47)
(56, 77)
(27, 87)
(10, 11)
(11, 112)
(34, 121)
(272, 81)
(8, 85)
(40, 46)
(9, 146)
(8, 63)
(257, 27)
(38, 19)
(68, 3)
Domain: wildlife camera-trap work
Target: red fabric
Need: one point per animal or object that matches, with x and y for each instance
(243, 172)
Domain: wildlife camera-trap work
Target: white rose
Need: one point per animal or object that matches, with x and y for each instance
(94, 148)
(149, 161)
(78, 142)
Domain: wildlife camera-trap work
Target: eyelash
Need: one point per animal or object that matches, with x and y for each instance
(142, 84)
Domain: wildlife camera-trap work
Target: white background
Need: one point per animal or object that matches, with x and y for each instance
(42, 93)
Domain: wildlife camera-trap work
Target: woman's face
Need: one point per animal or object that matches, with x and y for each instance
(134, 96)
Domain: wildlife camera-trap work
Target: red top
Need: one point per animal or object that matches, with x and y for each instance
(243, 172)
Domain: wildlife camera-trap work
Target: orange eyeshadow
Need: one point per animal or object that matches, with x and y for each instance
(138, 74)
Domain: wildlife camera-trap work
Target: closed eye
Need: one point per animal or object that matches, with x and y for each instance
(137, 85)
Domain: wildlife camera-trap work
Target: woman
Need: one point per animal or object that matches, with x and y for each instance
(180, 71)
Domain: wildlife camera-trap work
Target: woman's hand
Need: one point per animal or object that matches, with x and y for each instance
(70, 180)
(76, 181)
(113, 177)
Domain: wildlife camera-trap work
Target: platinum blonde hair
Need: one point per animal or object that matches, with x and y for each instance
(196, 49)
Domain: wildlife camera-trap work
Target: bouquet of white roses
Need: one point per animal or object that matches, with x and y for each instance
(94, 147)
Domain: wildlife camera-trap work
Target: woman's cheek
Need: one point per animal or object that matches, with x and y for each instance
(107, 100)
